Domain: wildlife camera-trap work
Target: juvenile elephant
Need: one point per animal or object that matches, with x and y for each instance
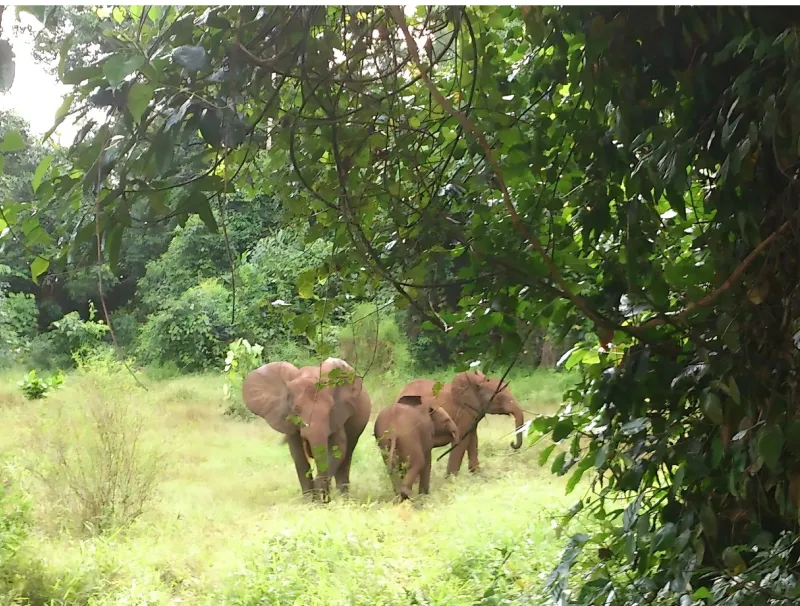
(404, 432)
(463, 398)
(322, 410)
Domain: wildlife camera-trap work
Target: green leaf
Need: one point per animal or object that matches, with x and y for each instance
(40, 171)
(139, 96)
(562, 429)
(664, 537)
(112, 246)
(12, 141)
(38, 267)
(584, 464)
(709, 521)
(61, 114)
(558, 462)
(545, 454)
(769, 445)
(305, 284)
(712, 408)
(203, 209)
(733, 390)
(118, 67)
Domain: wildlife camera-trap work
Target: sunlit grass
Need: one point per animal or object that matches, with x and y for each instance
(229, 525)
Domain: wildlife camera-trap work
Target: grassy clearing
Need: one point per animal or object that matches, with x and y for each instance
(228, 525)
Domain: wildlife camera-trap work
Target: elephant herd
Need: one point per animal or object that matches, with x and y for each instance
(323, 410)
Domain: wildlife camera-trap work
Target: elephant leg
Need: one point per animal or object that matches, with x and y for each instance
(456, 456)
(301, 463)
(472, 451)
(415, 467)
(343, 471)
(425, 475)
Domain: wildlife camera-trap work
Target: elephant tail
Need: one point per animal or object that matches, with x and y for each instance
(389, 460)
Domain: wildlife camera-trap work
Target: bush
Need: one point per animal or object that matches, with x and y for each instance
(71, 335)
(35, 388)
(126, 328)
(270, 274)
(241, 359)
(372, 341)
(192, 331)
(18, 323)
(95, 464)
(194, 254)
(44, 354)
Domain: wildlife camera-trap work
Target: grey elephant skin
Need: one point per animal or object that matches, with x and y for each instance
(404, 432)
(322, 410)
(463, 399)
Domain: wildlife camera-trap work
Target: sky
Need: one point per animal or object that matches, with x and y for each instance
(35, 94)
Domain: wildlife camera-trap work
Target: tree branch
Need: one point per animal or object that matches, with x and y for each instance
(468, 125)
(726, 285)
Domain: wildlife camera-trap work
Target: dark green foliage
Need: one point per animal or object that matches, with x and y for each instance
(18, 316)
(192, 331)
(71, 335)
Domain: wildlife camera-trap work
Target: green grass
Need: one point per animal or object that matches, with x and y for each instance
(228, 525)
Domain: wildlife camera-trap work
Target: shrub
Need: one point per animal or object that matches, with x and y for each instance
(95, 462)
(71, 334)
(241, 359)
(18, 323)
(372, 341)
(194, 254)
(126, 328)
(44, 354)
(35, 388)
(270, 274)
(191, 331)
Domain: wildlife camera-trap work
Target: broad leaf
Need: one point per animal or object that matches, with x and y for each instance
(139, 96)
(12, 142)
(118, 67)
(38, 266)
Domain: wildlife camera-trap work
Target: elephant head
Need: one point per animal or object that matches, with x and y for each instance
(480, 393)
(297, 401)
(442, 422)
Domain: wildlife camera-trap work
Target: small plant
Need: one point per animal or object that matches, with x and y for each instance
(96, 463)
(35, 388)
(242, 357)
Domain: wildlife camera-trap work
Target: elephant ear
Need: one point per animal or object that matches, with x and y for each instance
(409, 400)
(467, 393)
(266, 393)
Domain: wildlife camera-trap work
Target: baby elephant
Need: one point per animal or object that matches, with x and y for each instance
(404, 432)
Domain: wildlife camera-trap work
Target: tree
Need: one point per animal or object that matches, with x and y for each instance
(628, 173)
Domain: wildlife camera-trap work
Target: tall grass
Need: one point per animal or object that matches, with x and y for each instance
(227, 525)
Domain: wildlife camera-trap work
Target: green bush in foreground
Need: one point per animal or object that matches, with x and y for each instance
(35, 388)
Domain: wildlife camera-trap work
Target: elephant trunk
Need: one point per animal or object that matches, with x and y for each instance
(519, 421)
(316, 445)
(322, 479)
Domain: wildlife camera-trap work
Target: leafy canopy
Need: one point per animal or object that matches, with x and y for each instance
(626, 172)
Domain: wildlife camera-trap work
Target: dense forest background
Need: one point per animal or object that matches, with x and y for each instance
(504, 184)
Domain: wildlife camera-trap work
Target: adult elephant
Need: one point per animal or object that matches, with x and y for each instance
(322, 410)
(463, 399)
